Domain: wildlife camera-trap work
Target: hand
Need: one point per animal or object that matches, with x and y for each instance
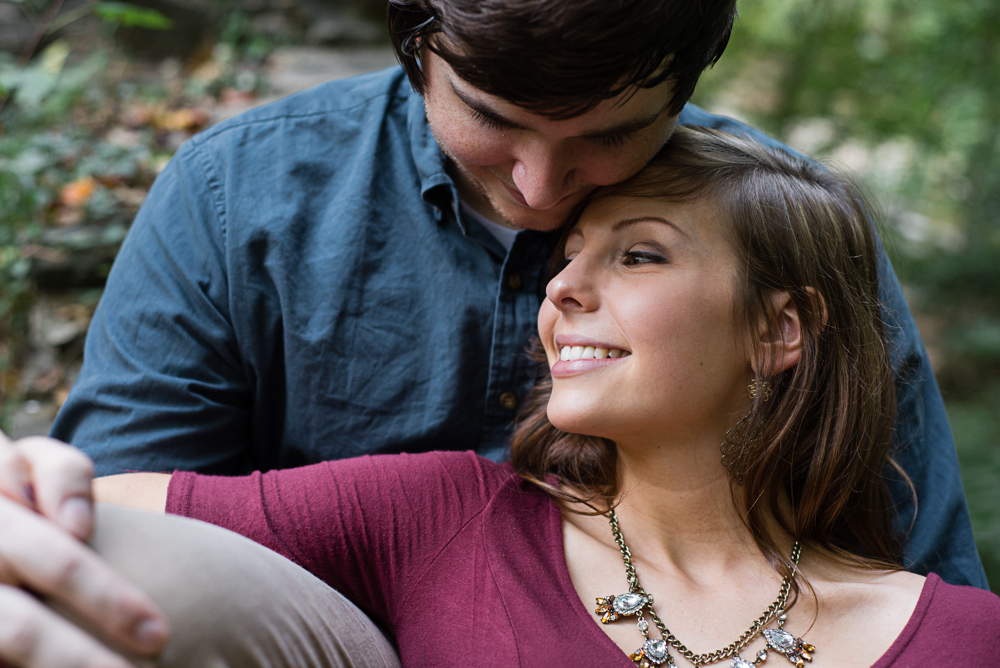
(46, 510)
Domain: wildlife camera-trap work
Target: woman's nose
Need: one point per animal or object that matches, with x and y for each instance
(572, 289)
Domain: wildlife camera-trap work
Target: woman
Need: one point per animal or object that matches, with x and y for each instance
(725, 295)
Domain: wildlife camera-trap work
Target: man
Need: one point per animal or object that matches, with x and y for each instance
(358, 268)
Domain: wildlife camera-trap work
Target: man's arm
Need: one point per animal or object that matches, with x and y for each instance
(45, 510)
(163, 385)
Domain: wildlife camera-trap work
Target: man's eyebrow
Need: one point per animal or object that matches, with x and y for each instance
(485, 111)
(619, 225)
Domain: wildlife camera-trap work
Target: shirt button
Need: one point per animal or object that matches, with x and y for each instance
(508, 401)
(514, 281)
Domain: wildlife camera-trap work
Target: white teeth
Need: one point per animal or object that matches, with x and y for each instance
(567, 353)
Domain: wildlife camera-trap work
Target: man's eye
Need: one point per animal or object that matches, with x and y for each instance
(614, 141)
(486, 121)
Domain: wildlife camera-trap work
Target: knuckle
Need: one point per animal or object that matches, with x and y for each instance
(20, 630)
(66, 572)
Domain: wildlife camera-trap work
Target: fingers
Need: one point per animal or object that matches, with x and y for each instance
(61, 478)
(50, 477)
(41, 557)
(15, 474)
(32, 636)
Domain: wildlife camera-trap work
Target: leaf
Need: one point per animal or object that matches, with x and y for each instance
(132, 16)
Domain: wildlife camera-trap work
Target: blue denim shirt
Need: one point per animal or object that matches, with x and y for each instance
(300, 285)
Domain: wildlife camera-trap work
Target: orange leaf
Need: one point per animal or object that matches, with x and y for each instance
(77, 193)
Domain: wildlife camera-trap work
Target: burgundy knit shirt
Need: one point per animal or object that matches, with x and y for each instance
(463, 562)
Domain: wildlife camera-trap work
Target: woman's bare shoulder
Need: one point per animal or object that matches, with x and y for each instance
(854, 602)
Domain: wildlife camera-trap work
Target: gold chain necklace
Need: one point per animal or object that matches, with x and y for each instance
(656, 652)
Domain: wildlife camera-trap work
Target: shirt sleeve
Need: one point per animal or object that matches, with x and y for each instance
(367, 526)
(939, 536)
(162, 385)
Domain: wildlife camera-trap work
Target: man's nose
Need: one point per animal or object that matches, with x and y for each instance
(544, 175)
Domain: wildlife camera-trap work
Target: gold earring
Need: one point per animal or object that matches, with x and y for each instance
(759, 387)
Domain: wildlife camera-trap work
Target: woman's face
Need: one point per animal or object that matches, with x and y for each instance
(647, 299)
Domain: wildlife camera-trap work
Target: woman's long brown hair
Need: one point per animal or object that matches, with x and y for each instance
(822, 442)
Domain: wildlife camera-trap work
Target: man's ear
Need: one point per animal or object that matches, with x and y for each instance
(780, 337)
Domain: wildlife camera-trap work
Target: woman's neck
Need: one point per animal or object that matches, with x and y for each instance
(676, 504)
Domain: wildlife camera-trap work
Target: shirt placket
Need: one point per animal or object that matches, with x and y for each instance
(512, 373)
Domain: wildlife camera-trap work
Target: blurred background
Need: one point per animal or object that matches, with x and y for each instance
(96, 96)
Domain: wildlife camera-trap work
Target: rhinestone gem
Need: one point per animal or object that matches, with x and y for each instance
(628, 604)
(656, 651)
(762, 655)
(643, 625)
(740, 662)
(783, 641)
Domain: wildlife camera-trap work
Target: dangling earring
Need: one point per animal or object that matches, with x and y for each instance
(759, 387)
(735, 447)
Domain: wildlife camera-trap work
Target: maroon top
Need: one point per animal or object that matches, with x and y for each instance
(464, 562)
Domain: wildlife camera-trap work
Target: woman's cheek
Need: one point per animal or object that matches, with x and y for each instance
(547, 316)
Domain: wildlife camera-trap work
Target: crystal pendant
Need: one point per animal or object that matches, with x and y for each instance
(740, 662)
(794, 649)
(652, 653)
(612, 607)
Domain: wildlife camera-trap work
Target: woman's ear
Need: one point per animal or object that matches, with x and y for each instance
(780, 337)
(781, 334)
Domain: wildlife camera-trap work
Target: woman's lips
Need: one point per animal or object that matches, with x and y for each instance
(585, 356)
(566, 368)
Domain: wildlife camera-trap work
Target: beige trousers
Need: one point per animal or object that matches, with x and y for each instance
(232, 603)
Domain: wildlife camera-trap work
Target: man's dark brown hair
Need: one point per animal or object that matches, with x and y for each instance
(561, 58)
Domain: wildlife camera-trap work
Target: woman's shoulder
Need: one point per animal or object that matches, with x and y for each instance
(950, 625)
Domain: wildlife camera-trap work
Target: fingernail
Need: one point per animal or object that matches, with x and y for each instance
(151, 632)
(75, 515)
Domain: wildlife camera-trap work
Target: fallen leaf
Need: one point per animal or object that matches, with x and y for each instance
(76, 194)
(183, 119)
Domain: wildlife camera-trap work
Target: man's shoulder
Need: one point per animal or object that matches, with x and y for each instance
(366, 99)
(693, 115)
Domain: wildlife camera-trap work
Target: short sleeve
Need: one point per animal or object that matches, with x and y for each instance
(369, 526)
(162, 386)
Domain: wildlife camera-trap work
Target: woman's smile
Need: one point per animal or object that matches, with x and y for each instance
(639, 322)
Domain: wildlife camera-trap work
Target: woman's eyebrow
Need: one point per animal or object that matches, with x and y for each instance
(621, 224)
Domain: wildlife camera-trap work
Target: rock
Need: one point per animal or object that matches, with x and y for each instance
(34, 418)
(343, 29)
(16, 31)
(294, 69)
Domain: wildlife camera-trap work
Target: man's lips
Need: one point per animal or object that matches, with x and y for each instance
(519, 198)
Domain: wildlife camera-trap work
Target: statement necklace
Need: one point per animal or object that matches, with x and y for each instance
(657, 652)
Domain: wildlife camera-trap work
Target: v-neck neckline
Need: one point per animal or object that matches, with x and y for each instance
(592, 625)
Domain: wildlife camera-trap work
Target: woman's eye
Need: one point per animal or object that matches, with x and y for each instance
(633, 257)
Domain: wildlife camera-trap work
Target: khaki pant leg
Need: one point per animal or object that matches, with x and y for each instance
(232, 603)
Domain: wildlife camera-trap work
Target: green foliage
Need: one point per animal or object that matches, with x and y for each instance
(132, 16)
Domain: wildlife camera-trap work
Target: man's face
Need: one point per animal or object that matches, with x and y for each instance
(526, 170)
